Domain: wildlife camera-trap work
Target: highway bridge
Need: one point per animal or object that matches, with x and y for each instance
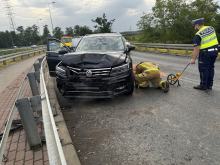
(150, 127)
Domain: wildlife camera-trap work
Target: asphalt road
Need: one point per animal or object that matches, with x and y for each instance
(150, 127)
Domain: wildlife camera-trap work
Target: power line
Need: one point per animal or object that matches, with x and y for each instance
(10, 14)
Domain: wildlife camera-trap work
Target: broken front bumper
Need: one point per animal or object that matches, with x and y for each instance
(98, 87)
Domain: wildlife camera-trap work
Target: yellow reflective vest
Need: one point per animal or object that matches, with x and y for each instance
(208, 37)
(148, 66)
(146, 71)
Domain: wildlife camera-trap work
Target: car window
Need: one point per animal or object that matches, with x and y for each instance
(53, 46)
(101, 43)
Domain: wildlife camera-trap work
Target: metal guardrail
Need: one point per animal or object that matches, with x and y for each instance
(9, 123)
(19, 53)
(4, 52)
(54, 147)
(13, 50)
(14, 56)
(165, 46)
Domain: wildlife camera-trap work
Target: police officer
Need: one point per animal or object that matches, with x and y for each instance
(206, 49)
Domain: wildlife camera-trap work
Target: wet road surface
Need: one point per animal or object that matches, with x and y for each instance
(150, 127)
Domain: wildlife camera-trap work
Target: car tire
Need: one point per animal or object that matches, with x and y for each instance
(130, 85)
(63, 102)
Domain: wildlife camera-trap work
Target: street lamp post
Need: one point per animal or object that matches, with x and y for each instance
(40, 32)
(51, 20)
(39, 24)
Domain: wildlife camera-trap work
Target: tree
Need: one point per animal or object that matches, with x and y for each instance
(35, 35)
(57, 32)
(206, 9)
(103, 25)
(5, 40)
(28, 36)
(69, 31)
(147, 25)
(81, 30)
(170, 20)
(20, 35)
(46, 34)
(217, 24)
(20, 29)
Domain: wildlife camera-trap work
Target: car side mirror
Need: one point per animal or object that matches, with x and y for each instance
(130, 48)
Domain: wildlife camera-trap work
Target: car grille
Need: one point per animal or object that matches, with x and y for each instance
(89, 73)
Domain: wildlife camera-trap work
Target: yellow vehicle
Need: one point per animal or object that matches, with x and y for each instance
(67, 41)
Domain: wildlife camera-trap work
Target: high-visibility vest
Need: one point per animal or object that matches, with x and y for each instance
(208, 37)
(146, 71)
(148, 66)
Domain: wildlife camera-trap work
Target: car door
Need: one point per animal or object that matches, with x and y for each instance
(54, 51)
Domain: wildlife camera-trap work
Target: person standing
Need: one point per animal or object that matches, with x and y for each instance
(206, 49)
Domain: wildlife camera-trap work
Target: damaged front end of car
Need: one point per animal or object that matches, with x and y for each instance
(94, 76)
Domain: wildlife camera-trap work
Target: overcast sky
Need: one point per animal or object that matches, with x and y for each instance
(67, 13)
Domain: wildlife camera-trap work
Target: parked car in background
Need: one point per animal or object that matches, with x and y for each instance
(33, 46)
(67, 41)
(100, 67)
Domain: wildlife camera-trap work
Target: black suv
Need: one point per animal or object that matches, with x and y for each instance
(99, 67)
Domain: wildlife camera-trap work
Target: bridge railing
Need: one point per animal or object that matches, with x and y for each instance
(54, 147)
(16, 50)
(20, 55)
(28, 108)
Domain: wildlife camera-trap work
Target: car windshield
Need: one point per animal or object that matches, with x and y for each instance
(75, 41)
(101, 43)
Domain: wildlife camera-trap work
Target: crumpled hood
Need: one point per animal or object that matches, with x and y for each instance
(93, 60)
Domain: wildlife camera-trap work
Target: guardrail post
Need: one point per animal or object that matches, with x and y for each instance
(37, 76)
(28, 121)
(40, 60)
(33, 84)
(36, 103)
(37, 67)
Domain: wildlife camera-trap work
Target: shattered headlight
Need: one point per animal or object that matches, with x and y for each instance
(120, 69)
(61, 70)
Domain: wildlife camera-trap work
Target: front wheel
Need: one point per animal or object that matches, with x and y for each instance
(130, 85)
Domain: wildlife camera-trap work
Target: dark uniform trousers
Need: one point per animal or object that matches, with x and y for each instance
(206, 67)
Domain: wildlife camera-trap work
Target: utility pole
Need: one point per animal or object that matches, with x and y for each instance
(11, 17)
(51, 20)
(39, 24)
